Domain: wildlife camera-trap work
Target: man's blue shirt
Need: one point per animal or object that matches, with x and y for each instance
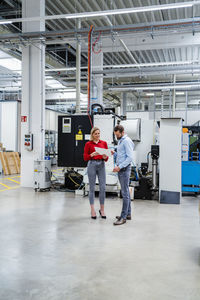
(124, 155)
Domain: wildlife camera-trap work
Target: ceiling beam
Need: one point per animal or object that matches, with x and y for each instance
(9, 12)
(99, 14)
(128, 51)
(135, 42)
(11, 3)
(162, 28)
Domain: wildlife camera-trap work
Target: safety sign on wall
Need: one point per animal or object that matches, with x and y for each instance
(23, 118)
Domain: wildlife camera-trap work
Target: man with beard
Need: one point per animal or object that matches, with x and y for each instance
(123, 158)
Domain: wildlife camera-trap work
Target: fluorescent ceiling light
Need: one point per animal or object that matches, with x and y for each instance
(4, 55)
(180, 93)
(72, 96)
(63, 103)
(60, 90)
(11, 63)
(10, 88)
(2, 22)
(157, 103)
(66, 90)
(71, 103)
(60, 69)
(131, 10)
(193, 102)
(157, 64)
(150, 94)
(54, 83)
(156, 88)
(10, 85)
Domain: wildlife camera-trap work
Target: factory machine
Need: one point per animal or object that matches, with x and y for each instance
(191, 159)
(42, 174)
(42, 168)
(51, 145)
(74, 132)
(147, 184)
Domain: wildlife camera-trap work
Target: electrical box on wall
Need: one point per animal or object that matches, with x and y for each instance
(73, 133)
(28, 142)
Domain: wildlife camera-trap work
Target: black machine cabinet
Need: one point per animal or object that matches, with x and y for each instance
(73, 133)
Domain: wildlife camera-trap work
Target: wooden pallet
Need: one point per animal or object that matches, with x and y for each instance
(17, 161)
(10, 162)
(4, 164)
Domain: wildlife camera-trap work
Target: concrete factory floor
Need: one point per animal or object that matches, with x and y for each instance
(50, 249)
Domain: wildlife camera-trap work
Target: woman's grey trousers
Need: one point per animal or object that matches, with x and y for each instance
(96, 167)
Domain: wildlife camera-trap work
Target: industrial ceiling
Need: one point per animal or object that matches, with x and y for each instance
(140, 49)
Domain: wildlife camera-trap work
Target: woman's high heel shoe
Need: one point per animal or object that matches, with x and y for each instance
(103, 217)
(93, 217)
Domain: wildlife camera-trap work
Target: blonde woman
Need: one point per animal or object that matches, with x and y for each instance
(96, 167)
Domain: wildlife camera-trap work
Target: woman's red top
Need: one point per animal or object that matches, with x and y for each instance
(90, 148)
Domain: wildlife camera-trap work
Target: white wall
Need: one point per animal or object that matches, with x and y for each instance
(9, 125)
(148, 129)
(191, 116)
(144, 115)
(147, 139)
(51, 120)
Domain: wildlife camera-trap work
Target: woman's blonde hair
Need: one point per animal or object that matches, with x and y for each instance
(92, 132)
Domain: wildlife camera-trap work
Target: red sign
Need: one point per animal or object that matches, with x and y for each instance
(23, 118)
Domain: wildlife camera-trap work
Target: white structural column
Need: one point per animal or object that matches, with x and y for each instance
(162, 103)
(78, 70)
(123, 103)
(170, 160)
(97, 80)
(186, 107)
(174, 97)
(33, 92)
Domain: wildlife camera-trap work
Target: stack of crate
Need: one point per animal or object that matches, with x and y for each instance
(10, 162)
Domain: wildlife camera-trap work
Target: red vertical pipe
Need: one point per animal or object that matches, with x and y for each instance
(89, 72)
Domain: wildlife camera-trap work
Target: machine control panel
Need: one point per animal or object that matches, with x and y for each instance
(66, 126)
(28, 142)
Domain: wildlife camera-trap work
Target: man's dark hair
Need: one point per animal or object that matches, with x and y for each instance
(119, 128)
